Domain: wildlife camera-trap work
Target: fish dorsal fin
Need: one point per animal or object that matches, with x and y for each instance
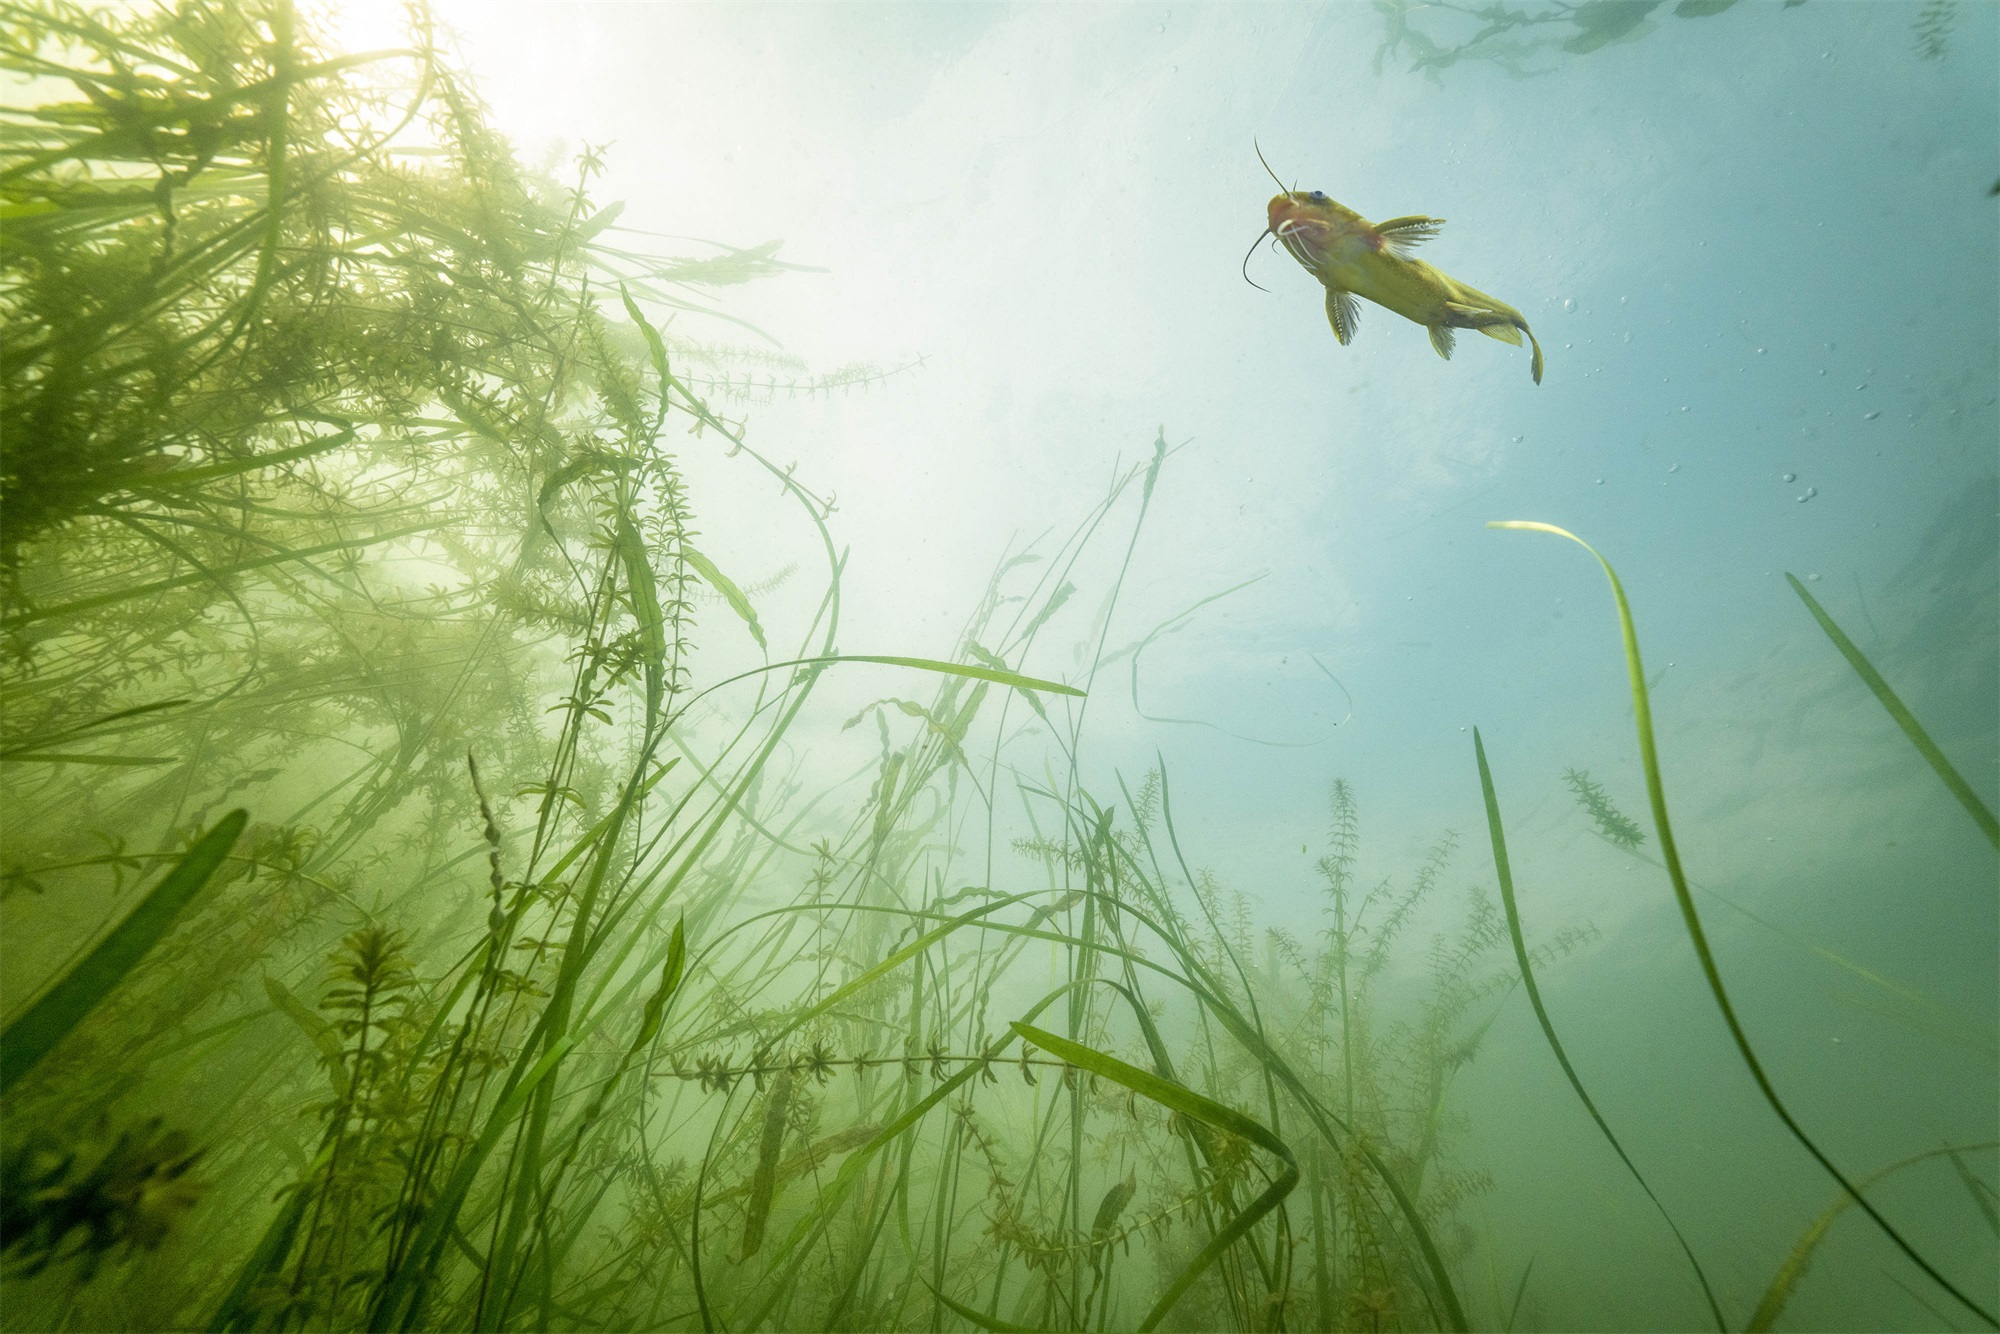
(1442, 338)
(1342, 314)
(1404, 234)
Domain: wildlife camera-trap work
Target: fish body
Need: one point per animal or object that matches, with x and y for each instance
(1353, 257)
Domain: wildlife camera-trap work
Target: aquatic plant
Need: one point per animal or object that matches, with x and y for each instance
(1932, 27)
(1691, 918)
(438, 925)
(1613, 825)
(530, 989)
(1524, 39)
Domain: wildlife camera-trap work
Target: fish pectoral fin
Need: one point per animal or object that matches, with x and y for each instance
(1404, 234)
(1343, 314)
(1442, 338)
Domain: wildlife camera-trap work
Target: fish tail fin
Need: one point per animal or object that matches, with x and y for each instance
(1536, 366)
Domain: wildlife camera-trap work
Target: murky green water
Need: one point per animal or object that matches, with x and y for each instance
(897, 582)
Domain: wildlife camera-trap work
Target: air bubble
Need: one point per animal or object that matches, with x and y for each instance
(1760, 351)
(1569, 303)
(1600, 481)
(1791, 477)
(1684, 407)
(1812, 578)
(1515, 440)
(1673, 467)
(1870, 416)
(1811, 491)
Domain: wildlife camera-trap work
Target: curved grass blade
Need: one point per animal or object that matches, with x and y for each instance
(971, 1316)
(726, 586)
(29, 1037)
(1337, 1133)
(103, 761)
(1192, 1105)
(1642, 712)
(1982, 1194)
(655, 346)
(398, 1301)
(993, 674)
(1014, 679)
(645, 593)
(13, 749)
(1914, 730)
(1502, 869)
(216, 574)
(1772, 1305)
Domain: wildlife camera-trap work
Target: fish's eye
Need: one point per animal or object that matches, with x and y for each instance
(1317, 196)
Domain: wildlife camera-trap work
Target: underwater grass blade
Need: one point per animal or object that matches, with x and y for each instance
(645, 594)
(401, 1296)
(30, 1037)
(726, 586)
(1505, 873)
(973, 1317)
(1914, 730)
(216, 575)
(998, 677)
(1772, 1304)
(1642, 712)
(1325, 1121)
(1982, 1194)
(1178, 1098)
(1520, 1292)
(655, 346)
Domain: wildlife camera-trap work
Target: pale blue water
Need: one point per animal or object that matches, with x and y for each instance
(1761, 251)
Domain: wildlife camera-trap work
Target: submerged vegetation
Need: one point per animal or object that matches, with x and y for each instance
(1530, 37)
(415, 922)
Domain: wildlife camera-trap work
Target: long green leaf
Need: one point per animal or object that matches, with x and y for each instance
(443, 1212)
(103, 761)
(1014, 679)
(645, 593)
(1642, 712)
(966, 1313)
(1981, 814)
(655, 345)
(1772, 1304)
(215, 575)
(1505, 872)
(726, 586)
(30, 1037)
(1179, 1098)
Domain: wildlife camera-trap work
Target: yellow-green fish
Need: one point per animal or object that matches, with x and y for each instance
(1355, 257)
